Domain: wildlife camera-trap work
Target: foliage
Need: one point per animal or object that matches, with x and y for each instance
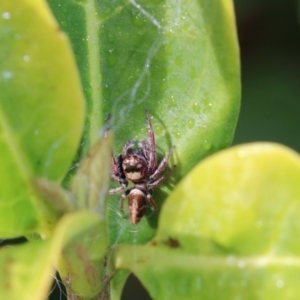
(233, 235)
(219, 233)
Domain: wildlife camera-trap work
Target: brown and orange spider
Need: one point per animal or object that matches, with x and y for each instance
(138, 164)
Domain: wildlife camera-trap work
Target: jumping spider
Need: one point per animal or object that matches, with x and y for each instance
(138, 166)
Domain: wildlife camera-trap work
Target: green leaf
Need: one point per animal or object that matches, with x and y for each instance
(28, 270)
(178, 61)
(90, 184)
(41, 113)
(181, 63)
(88, 187)
(57, 198)
(252, 188)
(228, 231)
(117, 283)
(84, 239)
(84, 234)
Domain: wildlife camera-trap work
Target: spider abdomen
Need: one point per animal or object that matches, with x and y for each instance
(137, 204)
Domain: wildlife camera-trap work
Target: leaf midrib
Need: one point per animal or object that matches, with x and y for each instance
(158, 256)
(92, 26)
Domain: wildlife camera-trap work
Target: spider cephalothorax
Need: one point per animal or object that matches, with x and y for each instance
(137, 164)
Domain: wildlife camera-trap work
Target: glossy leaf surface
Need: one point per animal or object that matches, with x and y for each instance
(178, 61)
(228, 231)
(41, 113)
(181, 65)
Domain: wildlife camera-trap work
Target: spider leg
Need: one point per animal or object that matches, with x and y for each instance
(152, 203)
(123, 197)
(151, 141)
(161, 166)
(118, 189)
(157, 182)
(144, 146)
(114, 169)
(127, 146)
(116, 178)
(116, 172)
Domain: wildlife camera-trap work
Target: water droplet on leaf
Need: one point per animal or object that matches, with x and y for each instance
(6, 15)
(26, 58)
(191, 123)
(7, 74)
(196, 108)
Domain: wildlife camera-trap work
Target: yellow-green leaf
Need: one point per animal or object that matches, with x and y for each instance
(77, 249)
(228, 231)
(26, 271)
(41, 111)
(90, 184)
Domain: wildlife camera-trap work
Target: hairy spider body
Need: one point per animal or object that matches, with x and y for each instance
(137, 164)
(135, 168)
(137, 203)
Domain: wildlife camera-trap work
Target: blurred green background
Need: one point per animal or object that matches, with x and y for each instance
(269, 36)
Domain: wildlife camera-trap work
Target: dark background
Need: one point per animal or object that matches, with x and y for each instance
(269, 39)
(269, 36)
